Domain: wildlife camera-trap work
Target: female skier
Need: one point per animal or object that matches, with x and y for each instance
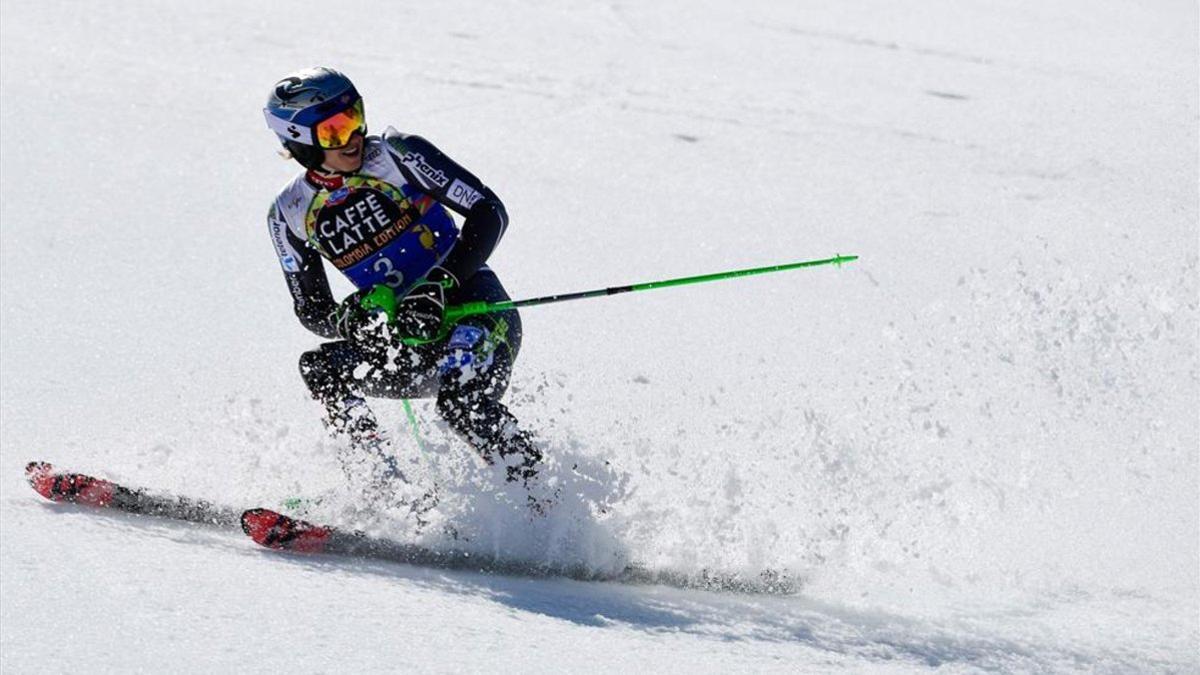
(378, 208)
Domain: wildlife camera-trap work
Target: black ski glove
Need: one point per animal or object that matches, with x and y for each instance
(363, 315)
(421, 313)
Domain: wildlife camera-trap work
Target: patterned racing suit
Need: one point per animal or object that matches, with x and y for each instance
(389, 223)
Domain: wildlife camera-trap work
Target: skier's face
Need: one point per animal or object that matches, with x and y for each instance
(348, 158)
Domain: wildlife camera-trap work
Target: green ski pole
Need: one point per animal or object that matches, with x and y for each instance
(412, 423)
(456, 313)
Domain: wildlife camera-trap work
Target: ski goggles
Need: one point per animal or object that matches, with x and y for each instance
(335, 131)
(317, 125)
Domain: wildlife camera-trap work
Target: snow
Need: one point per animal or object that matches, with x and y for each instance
(977, 446)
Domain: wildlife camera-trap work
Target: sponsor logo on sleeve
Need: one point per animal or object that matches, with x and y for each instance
(416, 163)
(461, 193)
(297, 291)
(278, 237)
(278, 226)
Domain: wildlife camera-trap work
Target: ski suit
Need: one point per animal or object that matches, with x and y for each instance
(390, 223)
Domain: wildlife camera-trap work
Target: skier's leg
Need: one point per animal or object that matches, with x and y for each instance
(339, 374)
(471, 407)
(328, 371)
(475, 371)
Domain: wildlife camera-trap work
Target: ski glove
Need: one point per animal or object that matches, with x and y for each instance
(421, 313)
(363, 316)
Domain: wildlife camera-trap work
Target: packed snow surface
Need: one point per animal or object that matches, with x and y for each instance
(974, 448)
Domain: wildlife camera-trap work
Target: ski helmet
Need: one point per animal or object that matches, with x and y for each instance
(314, 109)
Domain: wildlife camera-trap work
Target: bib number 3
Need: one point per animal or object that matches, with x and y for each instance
(392, 276)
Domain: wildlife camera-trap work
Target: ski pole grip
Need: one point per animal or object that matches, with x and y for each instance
(458, 312)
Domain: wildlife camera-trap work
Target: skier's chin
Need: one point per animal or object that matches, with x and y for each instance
(346, 159)
(343, 168)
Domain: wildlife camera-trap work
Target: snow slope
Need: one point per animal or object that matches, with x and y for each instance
(977, 447)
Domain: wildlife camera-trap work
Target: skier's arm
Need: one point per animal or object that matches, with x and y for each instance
(459, 190)
(305, 275)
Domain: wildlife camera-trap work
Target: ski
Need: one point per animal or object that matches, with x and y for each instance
(277, 531)
(77, 488)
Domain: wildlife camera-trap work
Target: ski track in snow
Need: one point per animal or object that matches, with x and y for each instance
(975, 448)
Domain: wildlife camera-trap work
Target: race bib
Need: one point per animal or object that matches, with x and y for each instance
(376, 233)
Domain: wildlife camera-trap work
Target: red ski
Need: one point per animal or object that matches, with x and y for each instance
(69, 487)
(283, 533)
(275, 530)
(85, 490)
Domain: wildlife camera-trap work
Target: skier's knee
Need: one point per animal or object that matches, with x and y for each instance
(319, 375)
(454, 411)
(473, 418)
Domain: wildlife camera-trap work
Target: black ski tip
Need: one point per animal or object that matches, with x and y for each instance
(248, 517)
(41, 478)
(36, 467)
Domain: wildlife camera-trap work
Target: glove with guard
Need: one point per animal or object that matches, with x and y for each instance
(421, 313)
(365, 314)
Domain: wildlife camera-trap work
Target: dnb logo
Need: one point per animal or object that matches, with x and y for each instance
(354, 221)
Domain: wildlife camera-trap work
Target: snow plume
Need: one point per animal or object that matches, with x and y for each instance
(476, 508)
(566, 531)
(1020, 434)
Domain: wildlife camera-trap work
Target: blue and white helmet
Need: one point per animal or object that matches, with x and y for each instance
(314, 109)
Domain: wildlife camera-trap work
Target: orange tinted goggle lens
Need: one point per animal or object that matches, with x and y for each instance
(336, 131)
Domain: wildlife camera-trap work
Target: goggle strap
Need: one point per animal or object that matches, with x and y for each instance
(289, 130)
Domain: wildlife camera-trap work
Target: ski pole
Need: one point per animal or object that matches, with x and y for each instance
(412, 423)
(456, 313)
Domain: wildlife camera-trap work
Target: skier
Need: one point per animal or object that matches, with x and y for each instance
(378, 208)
